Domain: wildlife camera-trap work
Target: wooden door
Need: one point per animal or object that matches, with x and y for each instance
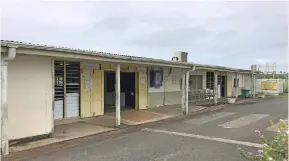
(97, 100)
(85, 96)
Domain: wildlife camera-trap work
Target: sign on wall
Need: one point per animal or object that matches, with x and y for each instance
(269, 85)
(91, 66)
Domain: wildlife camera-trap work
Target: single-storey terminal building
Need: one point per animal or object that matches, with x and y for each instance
(42, 85)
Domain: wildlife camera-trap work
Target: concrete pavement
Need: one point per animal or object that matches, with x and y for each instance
(207, 137)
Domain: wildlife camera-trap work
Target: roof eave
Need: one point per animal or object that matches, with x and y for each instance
(128, 59)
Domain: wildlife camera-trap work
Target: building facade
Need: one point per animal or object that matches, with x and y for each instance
(47, 85)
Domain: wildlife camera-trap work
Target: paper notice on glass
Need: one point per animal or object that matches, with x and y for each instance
(143, 74)
(87, 80)
(142, 80)
(88, 83)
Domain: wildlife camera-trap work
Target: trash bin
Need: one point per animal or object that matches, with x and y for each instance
(245, 93)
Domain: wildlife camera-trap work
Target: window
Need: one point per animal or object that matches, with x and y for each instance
(236, 82)
(156, 79)
(210, 80)
(196, 82)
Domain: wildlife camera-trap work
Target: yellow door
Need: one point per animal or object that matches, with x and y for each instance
(97, 101)
(85, 93)
(142, 90)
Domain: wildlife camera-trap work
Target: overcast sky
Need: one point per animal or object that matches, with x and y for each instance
(233, 34)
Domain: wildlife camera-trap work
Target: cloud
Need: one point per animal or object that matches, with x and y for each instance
(231, 33)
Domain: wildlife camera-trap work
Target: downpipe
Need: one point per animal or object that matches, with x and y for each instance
(11, 54)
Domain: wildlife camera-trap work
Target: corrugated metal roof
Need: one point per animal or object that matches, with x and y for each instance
(114, 56)
(220, 68)
(90, 52)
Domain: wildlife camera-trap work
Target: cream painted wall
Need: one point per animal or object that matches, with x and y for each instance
(247, 81)
(30, 96)
(241, 80)
(169, 93)
(168, 85)
(244, 82)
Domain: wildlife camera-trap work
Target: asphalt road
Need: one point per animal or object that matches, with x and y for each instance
(214, 136)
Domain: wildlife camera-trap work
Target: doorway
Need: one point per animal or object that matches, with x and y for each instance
(223, 84)
(127, 91)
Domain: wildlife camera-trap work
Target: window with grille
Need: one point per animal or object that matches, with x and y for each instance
(210, 80)
(196, 82)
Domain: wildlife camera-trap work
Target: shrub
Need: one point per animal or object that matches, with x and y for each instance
(273, 150)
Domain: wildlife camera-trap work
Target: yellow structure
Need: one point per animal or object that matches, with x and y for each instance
(269, 85)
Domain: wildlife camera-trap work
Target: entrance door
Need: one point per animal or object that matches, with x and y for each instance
(142, 89)
(223, 86)
(86, 80)
(97, 101)
(91, 91)
(127, 86)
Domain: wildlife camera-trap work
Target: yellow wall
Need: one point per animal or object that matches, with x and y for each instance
(92, 100)
(123, 67)
(30, 96)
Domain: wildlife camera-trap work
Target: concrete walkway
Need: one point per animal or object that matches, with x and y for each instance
(105, 123)
(63, 133)
(174, 110)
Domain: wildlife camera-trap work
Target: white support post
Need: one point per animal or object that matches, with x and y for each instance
(254, 85)
(184, 92)
(187, 93)
(117, 94)
(4, 109)
(236, 87)
(1, 104)
(215, 87)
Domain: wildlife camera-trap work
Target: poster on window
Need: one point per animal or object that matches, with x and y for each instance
(87, 80)
(143, 77)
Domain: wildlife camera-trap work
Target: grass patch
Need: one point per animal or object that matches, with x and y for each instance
(283, 95)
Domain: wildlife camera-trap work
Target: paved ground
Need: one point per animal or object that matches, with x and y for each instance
(184, 139)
